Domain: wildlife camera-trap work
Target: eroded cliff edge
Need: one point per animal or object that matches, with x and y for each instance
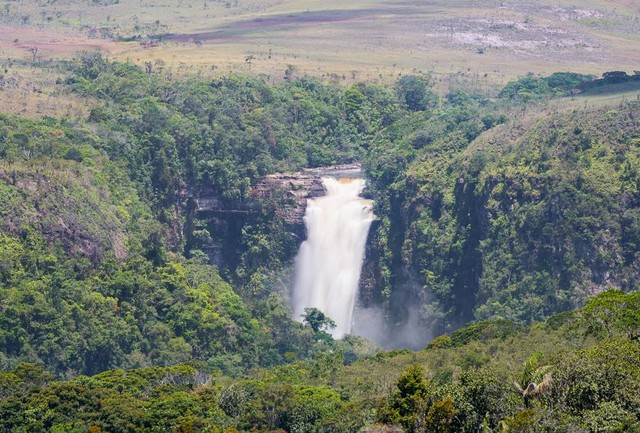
(215, 226)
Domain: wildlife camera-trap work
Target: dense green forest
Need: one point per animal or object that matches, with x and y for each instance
(460, 383)
(528, 220)
(94, 237)
(496, 214)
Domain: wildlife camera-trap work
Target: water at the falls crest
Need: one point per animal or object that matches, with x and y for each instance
(327, 268)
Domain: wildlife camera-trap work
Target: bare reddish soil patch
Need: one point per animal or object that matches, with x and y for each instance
(50, 43)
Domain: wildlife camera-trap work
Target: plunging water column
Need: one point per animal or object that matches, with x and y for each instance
(327, 268)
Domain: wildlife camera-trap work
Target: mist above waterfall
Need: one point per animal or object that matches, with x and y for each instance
(328, 265)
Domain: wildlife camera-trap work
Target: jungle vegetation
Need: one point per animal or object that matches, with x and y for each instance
(515, 234)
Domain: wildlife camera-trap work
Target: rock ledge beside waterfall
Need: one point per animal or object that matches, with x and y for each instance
(297, 188)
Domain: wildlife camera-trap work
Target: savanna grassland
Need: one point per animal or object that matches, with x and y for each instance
(469, 44)
(365, 39)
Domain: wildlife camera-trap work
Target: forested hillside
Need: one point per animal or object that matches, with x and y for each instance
(529, 219)
(494, 216)
(87, 280)
(94, 233)
(584, 367)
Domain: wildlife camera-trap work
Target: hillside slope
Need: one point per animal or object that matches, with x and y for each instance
(527, 219)
(470, 381)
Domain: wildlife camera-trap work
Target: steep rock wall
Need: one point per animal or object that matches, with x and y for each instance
(215, 226)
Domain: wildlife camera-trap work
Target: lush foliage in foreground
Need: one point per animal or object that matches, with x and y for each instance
(459, 383)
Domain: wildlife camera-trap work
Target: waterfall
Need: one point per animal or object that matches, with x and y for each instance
(327, 267)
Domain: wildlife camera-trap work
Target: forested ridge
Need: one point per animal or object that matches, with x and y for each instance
(584, 366)
(113, 319)
(530, 219)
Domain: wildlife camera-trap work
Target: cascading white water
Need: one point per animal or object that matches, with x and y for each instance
(327, 268)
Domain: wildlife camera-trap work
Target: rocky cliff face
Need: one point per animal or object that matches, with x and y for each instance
(216, 225)
(286, 192)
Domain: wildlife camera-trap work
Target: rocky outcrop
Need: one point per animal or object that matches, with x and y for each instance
(214, 226)
(290, 192)
(287, 193)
